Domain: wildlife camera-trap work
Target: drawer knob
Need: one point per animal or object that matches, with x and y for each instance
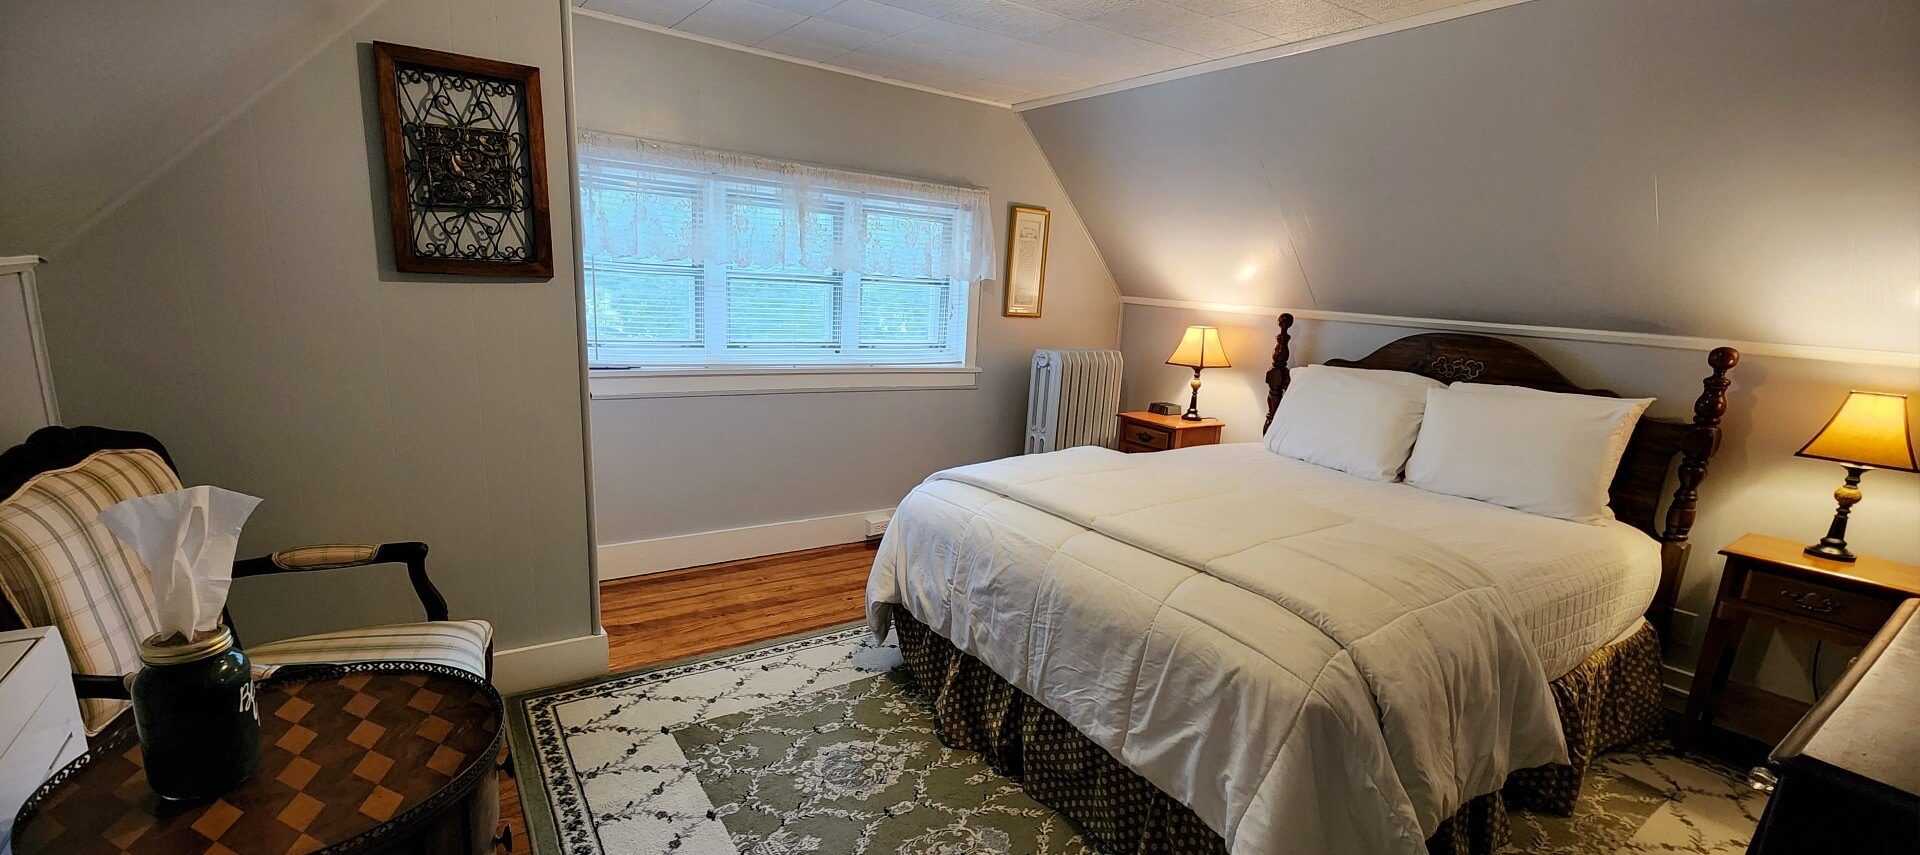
(1812, 602)
(1143, 436)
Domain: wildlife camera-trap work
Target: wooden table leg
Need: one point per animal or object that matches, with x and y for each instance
(1716, 663)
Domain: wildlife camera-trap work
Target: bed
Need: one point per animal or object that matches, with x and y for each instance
(1224, 649)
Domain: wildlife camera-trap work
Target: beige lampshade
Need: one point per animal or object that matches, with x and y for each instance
(1200, 348)
(1869, 430)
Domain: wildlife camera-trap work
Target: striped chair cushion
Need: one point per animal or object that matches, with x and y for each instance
(456, 643)
(60, 567)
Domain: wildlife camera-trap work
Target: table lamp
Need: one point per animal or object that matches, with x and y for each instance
(1199, 348)
(1869, 432)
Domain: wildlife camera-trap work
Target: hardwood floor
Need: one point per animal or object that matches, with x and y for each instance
(668, 616)
(681, 613)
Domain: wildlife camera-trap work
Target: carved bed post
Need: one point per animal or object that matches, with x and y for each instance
(1278, 376)
(1699, 444)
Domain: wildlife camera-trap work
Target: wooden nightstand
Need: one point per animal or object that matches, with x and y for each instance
(1771, 580)
(1143, 432)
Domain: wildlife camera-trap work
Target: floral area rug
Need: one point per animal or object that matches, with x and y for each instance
(818, 744)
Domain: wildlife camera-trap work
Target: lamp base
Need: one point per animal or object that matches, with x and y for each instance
(1830, 551)
(1833, 547)
(1193, 401)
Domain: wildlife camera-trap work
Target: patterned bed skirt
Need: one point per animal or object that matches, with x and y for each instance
(1611, 699)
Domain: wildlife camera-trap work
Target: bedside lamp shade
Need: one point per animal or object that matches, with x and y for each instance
(1869, 430)
(1200, 348)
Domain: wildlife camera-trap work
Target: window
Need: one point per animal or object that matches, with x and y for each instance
(698, 259)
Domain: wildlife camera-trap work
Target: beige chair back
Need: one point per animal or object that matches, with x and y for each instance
(60, 567)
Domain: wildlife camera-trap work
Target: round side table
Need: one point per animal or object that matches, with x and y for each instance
(367, 758)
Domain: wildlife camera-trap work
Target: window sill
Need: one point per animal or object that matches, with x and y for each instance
(616, 383)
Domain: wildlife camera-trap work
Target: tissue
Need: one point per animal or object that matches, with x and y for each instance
(187, 539)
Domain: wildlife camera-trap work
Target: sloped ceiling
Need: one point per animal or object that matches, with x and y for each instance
(1714, 168)
(99, 96)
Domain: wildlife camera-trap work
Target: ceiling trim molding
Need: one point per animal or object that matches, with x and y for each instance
(1277, 52)
(1850, 355)
(693, 37)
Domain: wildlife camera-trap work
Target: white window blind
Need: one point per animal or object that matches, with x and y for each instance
(697, 258)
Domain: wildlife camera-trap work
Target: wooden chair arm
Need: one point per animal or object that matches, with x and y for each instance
(97, 686)
(336, 556)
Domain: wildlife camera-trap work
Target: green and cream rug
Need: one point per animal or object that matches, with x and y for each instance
(815, 745)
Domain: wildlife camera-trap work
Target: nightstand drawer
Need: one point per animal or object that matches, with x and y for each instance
(1151, 437)
(1815, 600)
(1145, 432)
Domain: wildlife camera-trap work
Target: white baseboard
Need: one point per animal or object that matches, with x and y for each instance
(1676, 679)
(656, 554)
(537, 666)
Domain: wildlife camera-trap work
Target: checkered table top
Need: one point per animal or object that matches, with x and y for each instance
(347, 754)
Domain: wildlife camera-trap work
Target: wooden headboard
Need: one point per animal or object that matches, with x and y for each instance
(1641, 481)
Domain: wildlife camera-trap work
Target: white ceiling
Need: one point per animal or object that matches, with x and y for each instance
(1006, 51)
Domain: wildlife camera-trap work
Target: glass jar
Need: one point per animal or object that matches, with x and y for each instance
(194, 706)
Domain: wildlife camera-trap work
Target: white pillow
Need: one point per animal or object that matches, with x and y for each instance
(1356, 420)
(1398, 378)
(1546, 453)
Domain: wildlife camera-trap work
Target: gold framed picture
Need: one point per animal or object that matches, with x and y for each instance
(1026, 283)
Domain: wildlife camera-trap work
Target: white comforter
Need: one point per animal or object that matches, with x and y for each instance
(1310, 661)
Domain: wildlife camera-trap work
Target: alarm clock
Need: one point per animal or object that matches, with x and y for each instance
(1163, 408)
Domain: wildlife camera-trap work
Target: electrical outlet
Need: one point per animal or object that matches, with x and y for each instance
(877, 524)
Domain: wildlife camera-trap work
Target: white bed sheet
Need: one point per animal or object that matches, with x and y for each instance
(1575, 587)
(966, 560)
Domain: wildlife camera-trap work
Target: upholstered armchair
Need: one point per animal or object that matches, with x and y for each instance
(60, 567)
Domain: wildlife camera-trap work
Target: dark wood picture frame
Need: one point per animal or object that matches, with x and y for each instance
(1639, 485)
(535, 256)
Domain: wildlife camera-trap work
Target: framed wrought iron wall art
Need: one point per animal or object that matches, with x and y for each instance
(466, 163)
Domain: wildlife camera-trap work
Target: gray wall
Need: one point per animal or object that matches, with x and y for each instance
(243, 308)
(1745, 169)
(99, 96)
(1753, 484)
(681, 465)
(1719, 168)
